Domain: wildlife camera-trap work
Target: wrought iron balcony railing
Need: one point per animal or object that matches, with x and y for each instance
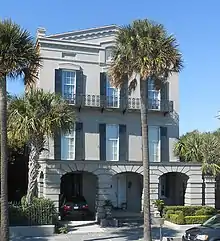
(116, 102)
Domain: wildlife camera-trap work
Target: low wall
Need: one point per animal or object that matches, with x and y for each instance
(32, 231)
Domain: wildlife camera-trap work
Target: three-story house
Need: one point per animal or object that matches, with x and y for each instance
(101, 159)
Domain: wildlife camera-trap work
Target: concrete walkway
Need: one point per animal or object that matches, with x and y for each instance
(93, 232)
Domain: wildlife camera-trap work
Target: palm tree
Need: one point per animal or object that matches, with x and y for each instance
(201, 148)
(18, 57)
(34, 118)
(187, 148)
(144, 51)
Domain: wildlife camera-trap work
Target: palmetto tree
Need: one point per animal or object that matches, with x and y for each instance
(144, 51)
(33, 118)
(201, 148)
(18, 57)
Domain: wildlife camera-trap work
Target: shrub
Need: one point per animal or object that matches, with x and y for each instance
(189, 210)
(167, 215)
(178, 219)
(205, 211)
(196, 219)
(40, 212)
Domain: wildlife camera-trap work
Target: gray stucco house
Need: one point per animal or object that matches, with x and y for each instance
(101, 158)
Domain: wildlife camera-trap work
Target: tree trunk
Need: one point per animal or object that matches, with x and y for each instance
(145, 157)
(4, 162)
(33, 171)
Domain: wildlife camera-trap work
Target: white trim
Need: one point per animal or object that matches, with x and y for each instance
(66, 84)
(157, 92)
(68, 136)
(69, 66)
(158, 159)
(109, 59)
(116, 98)
(112, 139)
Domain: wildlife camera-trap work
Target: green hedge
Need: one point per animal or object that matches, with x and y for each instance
(196, 219)
(177, 218)
(189, 210)
(41, 212)
(188, 214)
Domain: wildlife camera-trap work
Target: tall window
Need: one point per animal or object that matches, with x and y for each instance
(153, 96)
(112, 95)
(112, 142)
(154, 143)
(69, 84)
(68, 145)
(108, 55)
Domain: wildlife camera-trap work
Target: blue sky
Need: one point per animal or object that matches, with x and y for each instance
(195, 24)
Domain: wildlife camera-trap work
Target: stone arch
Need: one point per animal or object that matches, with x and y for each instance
(139, 169)
(127, 186)
(172, 187)
(79, 184)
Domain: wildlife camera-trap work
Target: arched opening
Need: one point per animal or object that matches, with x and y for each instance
(217, 192)
(127, 191)
(79, 186)
(172, 188)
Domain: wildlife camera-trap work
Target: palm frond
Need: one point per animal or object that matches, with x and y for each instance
(39, 114)
(19, 56)
(144, 47)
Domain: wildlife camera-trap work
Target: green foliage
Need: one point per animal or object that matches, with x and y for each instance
(19, 55)
(168, 213)
(38, 114)
(188, 214)
(144, 47)
(201, 148)
(178, 219)
(190, 210)
(40, 212)
(196, 219)
(206, 211)
(159, 204)
(63, 230)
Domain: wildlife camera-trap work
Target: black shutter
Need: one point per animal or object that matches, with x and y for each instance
(102, 141)
(58, 81)
(165, 91)
(123, 143)
(164, 105)
(79, 142)
(57, 145)
(164, 142)
(124, 94)
(102, 89)
(79, 88)
(57, 134)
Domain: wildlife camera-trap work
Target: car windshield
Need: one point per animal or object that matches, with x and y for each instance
(212, 222)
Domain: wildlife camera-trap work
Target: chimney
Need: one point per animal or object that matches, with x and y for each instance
(41, 32)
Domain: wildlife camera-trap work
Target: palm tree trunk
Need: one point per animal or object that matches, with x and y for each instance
(145, 156)
(33, 170)
(4, 162)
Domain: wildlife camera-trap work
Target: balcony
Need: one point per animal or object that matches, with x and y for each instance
(111, 102)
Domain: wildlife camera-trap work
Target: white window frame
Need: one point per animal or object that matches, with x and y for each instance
(72, 99)
(112, 139)
(157, 159)
(152, 89)
(115, 103)
(69, 136)
(108, 55)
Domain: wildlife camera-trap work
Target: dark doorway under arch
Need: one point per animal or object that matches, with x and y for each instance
(80, 184)
(172, 188)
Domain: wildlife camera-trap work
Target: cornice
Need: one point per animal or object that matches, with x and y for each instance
(70, 46)
(86, 33)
